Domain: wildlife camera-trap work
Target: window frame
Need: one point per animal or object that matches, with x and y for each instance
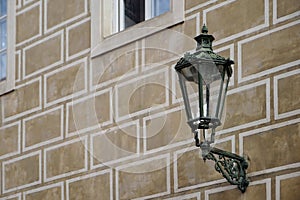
(8, 84)
(101, 44)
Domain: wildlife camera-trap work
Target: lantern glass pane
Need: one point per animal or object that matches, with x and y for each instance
(222, 96)
(189, 93)
(203, 89)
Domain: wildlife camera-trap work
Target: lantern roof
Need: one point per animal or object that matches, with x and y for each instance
(204, 53)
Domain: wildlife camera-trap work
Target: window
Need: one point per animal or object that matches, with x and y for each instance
(7, 40)
(122, 14)
(3, 38)
(118, 22)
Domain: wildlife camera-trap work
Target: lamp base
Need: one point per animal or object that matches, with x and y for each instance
(231, 166)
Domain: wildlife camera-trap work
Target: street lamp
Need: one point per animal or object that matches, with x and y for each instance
(203, 78)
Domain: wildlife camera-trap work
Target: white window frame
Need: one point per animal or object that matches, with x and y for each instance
(101, 44)
(8, 84)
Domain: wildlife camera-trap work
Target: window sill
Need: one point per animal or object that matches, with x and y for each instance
(102, 45)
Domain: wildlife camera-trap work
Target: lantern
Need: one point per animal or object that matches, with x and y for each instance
(204, 77)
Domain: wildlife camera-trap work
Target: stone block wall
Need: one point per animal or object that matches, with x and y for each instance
(113, 126)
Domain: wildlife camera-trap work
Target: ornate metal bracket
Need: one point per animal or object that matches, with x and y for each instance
(231, 166)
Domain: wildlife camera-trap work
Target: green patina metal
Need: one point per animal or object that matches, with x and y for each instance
(231, 166)
(203, 68)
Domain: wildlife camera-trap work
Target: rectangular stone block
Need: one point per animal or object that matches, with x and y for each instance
(26, 2)
(282, 142)
(21, 172)
(89, 112)
(18, 66)
(65, 159)
(286, 94)
(147, 178)
(160, 129)
(43, 128)
(185, 178)
(43, 54)
(161, 48)
(10, 139)
(12, 197)
(228, 52)
(219, 17)
(78, 38)
(111, 66)
(287, 186)
(190, 26)
(115, 144)
(60, 12)
(193, 3)
(141, 94)
(98, 185)
(247, 105)
(66, 82)
(49, 192)
(14, 104)
(282, 46)
(32, 16)
(258, 190)
(285, 8)
(193, 196)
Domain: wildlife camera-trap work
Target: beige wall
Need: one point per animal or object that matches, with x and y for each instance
(113, 126)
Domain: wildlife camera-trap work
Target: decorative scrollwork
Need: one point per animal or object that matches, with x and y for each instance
(231, 166)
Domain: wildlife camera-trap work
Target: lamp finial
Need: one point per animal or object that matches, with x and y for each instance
(204, 29)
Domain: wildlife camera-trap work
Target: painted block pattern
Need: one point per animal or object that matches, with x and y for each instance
(286, 93)
(58, 12)
(280, 140)
(43, 54)
(219, 18)
(287, 186)
(21, 172)
(152, 174)
(160, 130)
(59, 160)
(49, 192)
(282, 48)
(284, 8)
(161, 48)
(154, 88)
(84, 187)
(79, 38)
(43, 128)
(115, 144)
(81, 126)
(114, 65)
(32, 16)
(187, 179)
(13, 104)
(252, 109)
(193, 3)
(10, 140)
(90, 112)
(66, 82)
(256, 190)
(12, 197)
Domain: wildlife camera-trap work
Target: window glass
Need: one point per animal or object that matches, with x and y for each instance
(3, 38)
(134, 12)
(3, 7)
(160, 7)
(121, 14)
(7, 45)
(3, 34)
(3, 66)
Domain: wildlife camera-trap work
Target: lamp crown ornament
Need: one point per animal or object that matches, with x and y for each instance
(210, 73)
